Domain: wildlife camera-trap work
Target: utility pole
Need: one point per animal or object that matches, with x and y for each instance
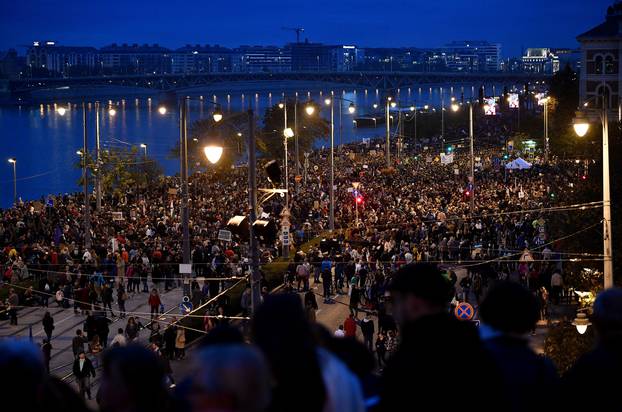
(388, 142)
(472, 158)
(87, 205)
(183, 143)
(98, 187)
(255, 277)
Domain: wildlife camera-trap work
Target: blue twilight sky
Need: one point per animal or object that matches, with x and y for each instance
(419, 23)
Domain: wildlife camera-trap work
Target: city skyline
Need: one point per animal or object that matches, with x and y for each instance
(344, 23)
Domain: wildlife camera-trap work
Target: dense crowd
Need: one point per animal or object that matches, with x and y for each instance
(419, 211)
(288, 363)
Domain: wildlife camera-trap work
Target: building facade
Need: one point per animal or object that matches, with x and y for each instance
(540, 60)
(601, 50)
(473, 56)
(258, 59)
(135, 59)
(201, 59)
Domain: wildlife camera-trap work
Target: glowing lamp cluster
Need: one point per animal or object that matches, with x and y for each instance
(213, 153)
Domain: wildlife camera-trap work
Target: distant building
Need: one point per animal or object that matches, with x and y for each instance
(135, 59)
(47, 58)
(344, 58)
(472, 56)
(601, 49)
(201, 59)
(257, 59)
(10, 64)
(540, 60)
(311, 57)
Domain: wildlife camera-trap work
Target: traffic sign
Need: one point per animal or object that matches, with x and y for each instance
(185, 307)
(464, 311)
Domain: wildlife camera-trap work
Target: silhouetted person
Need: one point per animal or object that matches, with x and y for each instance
(133, 379)
(227, 378)
(317, 380)
(83, 370)
(282, 332)
(597, 372)
(508, 313)
(435, 348)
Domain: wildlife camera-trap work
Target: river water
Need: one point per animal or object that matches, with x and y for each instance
(45, 143)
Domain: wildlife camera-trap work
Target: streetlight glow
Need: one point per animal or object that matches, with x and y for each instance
(217, 115)
(393, 104)
(310, 109)
(581, 128)
(162, 110)
(281, 105)
(61, 110)
(455, 107)
(375, 105)
(327, 101)
(426, 107)
(351, 108)
(289, 133)
(79, 152)
(581, 322)
(112, 111)
(213, 153)
(12, 160)
(412, 108)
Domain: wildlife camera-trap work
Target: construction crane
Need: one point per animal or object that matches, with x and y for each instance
(298, 30)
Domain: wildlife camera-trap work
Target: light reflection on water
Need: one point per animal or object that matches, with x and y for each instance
(45, 143)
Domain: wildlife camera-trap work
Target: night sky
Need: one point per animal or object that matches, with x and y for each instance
(420, 23)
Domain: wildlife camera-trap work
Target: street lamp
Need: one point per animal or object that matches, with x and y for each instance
(455, 107)
(85, 176)
(581, 322)
(13, 161)
(213, 155)
(581, 126)
(144, 146)
(471, 138)
(309, 109)
(351, 109)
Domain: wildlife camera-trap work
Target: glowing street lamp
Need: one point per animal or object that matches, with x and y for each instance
(581, 322)
(351, 108)
(288, 133)
(61, 110)
(455, 107)
(213, 153)
(144, 146)
(310, 109)
(162, 110)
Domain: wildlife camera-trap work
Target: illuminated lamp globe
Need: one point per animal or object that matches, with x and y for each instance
(213, 153)
(310, 109)
(162, 110)
(455, 107)
(289, 133)
(351, 108)
(581, 128)
(61, 110)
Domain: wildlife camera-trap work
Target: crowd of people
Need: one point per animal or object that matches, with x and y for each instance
(289, 363)
(419, 215)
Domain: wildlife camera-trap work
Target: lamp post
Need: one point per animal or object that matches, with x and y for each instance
(329, 101)
(546, 129)
(388, 134)
(14, 162)
(455, 107)
(144, 146)
(85, 176)
(581, 126)
(98, 185)
(183, 145)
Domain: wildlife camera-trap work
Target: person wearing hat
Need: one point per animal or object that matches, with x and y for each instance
(435, 347)
(597, 372)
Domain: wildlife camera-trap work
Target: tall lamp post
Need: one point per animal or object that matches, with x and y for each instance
(85, 175)
(581, 125)
(144, 146)
(98, 184)
(13, 161)
(213, 153)
(455, 107)
(351, 109)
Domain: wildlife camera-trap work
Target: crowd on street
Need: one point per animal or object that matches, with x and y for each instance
(401, 234)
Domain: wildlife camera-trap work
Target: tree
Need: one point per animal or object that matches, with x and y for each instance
(121, 169)
(310, 128)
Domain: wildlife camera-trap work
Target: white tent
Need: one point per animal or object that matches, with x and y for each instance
(518, 164)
